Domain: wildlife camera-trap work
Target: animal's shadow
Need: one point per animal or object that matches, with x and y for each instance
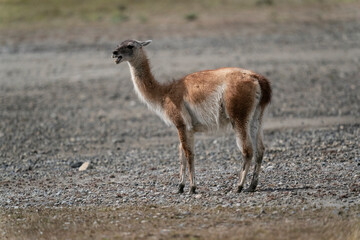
(286, 189)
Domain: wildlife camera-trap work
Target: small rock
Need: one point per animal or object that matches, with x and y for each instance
(269, 168)
(84, 166)
(198, 196)
(76, 165)
(165, 230)
(117, 140)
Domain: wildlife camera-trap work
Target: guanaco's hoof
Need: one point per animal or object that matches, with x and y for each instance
(250, 189)
(181, 188)
(193, 190)
(240, 188)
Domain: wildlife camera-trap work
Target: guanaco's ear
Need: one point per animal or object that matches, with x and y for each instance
(145, 43)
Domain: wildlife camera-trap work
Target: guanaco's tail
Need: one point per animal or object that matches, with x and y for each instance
(265, 90)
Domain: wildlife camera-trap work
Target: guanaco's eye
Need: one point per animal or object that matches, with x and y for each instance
(130, 46)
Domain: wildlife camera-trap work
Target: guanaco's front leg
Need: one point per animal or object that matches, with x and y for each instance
(182, 169)
(187, 154)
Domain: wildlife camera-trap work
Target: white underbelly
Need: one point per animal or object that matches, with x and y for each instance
(202, 118)
(208, 115)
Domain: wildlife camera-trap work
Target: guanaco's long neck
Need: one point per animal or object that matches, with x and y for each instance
(148, 89)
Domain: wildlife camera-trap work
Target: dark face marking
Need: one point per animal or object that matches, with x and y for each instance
(128, 49)
(125, 51)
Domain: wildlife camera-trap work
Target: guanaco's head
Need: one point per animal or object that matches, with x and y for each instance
(129, 50)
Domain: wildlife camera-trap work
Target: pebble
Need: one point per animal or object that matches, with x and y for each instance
(84, 166)
(76, 165)
(198, 196)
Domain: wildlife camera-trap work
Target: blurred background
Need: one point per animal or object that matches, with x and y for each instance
(114, 18)
(302, 45)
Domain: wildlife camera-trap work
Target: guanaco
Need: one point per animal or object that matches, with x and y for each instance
(204, 101)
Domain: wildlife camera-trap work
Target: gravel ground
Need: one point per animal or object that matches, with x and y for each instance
(65, 104)
(316, 168)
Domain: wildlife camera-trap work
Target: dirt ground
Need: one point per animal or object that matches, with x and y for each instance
(63, 102)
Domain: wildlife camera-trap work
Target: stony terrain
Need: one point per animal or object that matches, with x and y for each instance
(62, 104)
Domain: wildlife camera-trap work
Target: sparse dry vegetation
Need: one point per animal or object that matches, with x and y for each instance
(169, 222)
(59, 12)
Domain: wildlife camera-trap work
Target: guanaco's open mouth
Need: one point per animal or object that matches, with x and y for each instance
(118, 59)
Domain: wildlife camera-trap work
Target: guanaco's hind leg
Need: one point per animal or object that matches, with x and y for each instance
(256, 134)
(258, 160)
(186, 154)
(241, 99)
(244, 142)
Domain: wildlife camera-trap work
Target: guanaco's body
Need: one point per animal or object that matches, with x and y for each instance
(204, 101)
